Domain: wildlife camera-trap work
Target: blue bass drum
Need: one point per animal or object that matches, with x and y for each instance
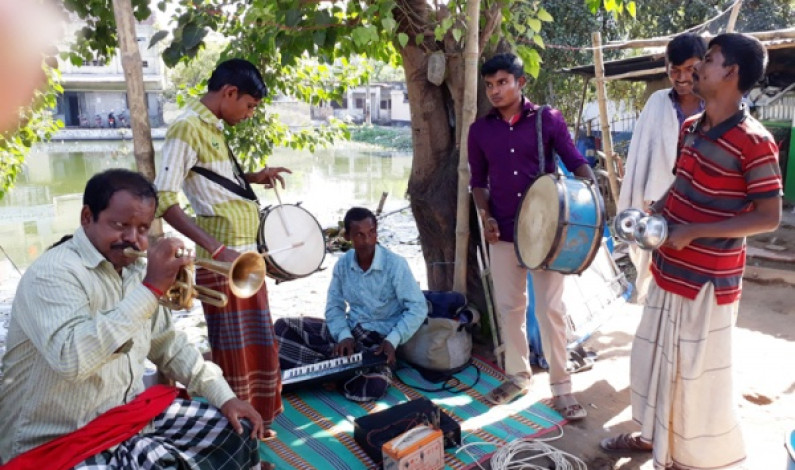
(559, 224)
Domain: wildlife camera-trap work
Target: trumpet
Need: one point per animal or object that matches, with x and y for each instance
(246, 275)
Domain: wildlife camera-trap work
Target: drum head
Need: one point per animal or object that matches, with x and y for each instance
(293, 240)
(537, 221)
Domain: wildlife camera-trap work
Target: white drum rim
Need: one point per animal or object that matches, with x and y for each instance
(557, 245)
(556, 231)
(285, 274)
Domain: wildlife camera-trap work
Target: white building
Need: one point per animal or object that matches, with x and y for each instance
(388, 104)
(95, 89)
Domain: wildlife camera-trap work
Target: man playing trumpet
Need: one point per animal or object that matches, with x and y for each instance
(84, 319)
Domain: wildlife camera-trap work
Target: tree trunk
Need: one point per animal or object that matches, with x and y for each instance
(136, 95)
(433, 183)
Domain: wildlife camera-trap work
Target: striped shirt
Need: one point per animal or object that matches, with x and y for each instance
(196, 138)
(718, 174)
(77, 340)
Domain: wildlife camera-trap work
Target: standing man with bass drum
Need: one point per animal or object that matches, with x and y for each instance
(241, 334)
(504, 161)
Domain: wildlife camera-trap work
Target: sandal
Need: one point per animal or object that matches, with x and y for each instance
(508, 391)
(568, 407)
(625, 444)
(268, 434)
(267, 466)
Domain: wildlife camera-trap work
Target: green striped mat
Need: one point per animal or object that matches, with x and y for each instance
(316, 429)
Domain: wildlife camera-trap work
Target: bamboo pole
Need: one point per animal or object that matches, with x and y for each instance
(469, 110)
(733, 16)
(778, 34)
(607, 140)
(136, 95)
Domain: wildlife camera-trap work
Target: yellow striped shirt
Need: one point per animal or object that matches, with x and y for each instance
(77, 340)
(196, 138)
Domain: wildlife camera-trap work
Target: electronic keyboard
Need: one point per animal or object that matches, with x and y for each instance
(331, 370)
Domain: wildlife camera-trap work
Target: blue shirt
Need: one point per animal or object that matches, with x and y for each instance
(385, 298)
(680, 115)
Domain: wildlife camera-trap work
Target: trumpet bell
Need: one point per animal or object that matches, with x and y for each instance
(246, 274)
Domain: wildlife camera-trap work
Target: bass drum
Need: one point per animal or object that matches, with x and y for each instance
(559, 224)
(292, 242)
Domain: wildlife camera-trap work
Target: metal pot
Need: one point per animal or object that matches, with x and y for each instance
(651, 232)
(625, 222)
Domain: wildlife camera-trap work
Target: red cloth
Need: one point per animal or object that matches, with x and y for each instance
(105, 431)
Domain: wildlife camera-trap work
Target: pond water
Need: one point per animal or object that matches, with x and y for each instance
(45, 203)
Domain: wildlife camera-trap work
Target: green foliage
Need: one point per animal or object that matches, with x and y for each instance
(569, 36)
(521, 27)
(38, 125)
(398, 138)
(97, 40)
(613, 6)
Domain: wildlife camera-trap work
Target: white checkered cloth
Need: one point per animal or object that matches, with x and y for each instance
(188, 435)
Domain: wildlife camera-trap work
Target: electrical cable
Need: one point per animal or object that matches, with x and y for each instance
(507, 456)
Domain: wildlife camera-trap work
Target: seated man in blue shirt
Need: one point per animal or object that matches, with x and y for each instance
(374, 303)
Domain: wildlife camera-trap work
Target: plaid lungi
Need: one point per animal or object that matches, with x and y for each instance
(188, 435)
(682, 384)
(243, 345)
(307, 340)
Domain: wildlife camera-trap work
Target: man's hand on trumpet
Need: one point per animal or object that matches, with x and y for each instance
(163, 264)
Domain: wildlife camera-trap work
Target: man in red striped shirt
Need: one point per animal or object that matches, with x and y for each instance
(727, 186)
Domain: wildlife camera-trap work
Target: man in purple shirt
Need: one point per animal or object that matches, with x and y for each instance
(503, 161)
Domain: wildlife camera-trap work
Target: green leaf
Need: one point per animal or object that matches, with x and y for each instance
(292, 17)
(192, 35)
(539, 41)
(544, 15)
(438, 33)
(319, 37)
(631, 9)
(157, 37)
(388, 24)
(456, 34)
(419, 38)
(403, 39)
(534, 24)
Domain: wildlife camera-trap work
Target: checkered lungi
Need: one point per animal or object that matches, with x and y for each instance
(681, 378)
(188, 435)
(306, 340)
(243, 345)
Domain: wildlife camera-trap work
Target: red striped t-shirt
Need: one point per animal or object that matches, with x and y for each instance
(718, 175)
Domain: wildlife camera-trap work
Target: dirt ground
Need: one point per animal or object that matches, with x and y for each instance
(764, 351)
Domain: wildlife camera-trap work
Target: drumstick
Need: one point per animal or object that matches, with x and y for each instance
(281, 216)
(284, 248)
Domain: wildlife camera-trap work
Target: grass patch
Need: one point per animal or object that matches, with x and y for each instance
(397, 138)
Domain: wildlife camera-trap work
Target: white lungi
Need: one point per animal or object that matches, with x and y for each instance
(682, 381)
(641, 259)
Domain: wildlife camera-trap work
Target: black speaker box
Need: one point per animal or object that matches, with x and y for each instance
(372, 431)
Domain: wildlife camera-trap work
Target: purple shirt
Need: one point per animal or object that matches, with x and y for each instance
(503, 157)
